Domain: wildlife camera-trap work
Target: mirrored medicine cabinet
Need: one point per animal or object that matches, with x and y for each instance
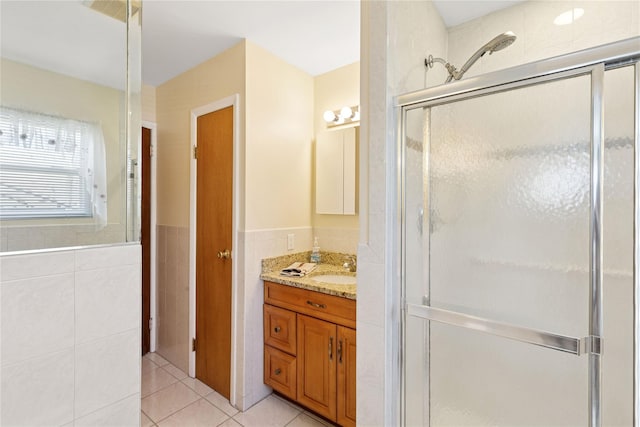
(336, 172)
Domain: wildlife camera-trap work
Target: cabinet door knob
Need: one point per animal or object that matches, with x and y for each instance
(339, 351)
(276, 329)
(278, 371)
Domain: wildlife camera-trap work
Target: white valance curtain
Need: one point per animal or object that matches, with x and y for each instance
(51, 167)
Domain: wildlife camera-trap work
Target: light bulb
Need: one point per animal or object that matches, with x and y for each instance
(340, 120)
(346, 113)
(356, 116)
(329, 116)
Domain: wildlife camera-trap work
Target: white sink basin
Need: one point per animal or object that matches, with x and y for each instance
(335, 279)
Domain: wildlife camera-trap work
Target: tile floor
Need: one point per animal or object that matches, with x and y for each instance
(171, 398)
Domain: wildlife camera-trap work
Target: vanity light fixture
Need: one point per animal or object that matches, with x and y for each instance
(345, 115)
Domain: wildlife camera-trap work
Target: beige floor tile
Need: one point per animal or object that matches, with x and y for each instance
(165, 402)
(271, 411)
(198, 386)
(199, 414)
(155, 380)
(230, 423)
(222, 403)
(156, 358)
(175, 371)
(145, 421)
(318, 419)
(147, 365)
(305, 420)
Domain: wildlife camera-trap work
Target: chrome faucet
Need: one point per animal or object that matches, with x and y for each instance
(351, 264)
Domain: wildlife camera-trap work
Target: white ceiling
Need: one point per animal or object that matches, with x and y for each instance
(455, 12)
(315, 35)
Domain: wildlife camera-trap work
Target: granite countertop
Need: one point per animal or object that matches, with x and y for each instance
(331, 264)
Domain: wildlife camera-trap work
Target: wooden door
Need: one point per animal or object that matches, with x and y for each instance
(346, 376)
(214, 208)
(145, 238)
(317, 365)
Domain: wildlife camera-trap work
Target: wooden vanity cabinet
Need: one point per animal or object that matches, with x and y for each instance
(311, 360)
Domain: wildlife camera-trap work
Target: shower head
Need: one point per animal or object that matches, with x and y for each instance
(497, 43)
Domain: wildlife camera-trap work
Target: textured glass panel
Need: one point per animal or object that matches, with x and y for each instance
(617, 380)
(509, 206)
(482, 380)
(416, 353)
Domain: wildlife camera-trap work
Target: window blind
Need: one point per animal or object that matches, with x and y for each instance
(45, 166)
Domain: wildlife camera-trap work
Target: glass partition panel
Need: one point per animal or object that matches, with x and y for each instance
(496, 225)
(509, 183)
(66, 121)
(617, 360)
(496, 218)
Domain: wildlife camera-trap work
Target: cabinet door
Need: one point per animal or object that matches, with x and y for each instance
(346, 354)
(317, 365)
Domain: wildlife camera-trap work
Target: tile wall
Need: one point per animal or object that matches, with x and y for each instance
(396, 36)
(257, 245)
(70, 341)
(344, 240)
(172, 319)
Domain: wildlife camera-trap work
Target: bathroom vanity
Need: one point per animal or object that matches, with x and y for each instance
(310, 344)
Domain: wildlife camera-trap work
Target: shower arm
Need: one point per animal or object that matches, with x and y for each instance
(453, 72)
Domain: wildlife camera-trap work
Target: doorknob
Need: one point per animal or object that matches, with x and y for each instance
(224, 254)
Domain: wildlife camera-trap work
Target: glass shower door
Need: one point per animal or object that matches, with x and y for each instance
(502, 254)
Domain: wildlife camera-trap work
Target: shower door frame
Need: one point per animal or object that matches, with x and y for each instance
(592, 62)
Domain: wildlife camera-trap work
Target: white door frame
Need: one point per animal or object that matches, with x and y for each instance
(234, 101)
(152, 237)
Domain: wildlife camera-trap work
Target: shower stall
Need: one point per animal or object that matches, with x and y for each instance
(519, 209)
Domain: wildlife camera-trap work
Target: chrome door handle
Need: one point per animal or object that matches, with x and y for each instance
(226, 254)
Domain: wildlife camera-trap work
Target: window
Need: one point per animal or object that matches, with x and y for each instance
(50, 167)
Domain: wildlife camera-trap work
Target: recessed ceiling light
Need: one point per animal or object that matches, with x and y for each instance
(568, 17)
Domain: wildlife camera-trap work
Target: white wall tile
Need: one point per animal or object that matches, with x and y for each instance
(107, 370)
(125, 413)
(37, 317)
(112, 256)
(108, 301)
(15, 267)
(371, 295)
(39, 391)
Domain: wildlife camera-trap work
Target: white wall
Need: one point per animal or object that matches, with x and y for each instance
(396, 36)
(70, 342)
(279, 133)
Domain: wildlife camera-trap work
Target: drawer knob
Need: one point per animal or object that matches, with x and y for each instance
(278, 371)
(276, 329)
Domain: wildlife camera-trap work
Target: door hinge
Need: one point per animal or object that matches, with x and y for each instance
(195, 151)
(193, 344)
(150, 324)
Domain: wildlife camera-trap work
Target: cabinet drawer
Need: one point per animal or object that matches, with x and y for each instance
(280, 328)
(280, 371)
(341, 311)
